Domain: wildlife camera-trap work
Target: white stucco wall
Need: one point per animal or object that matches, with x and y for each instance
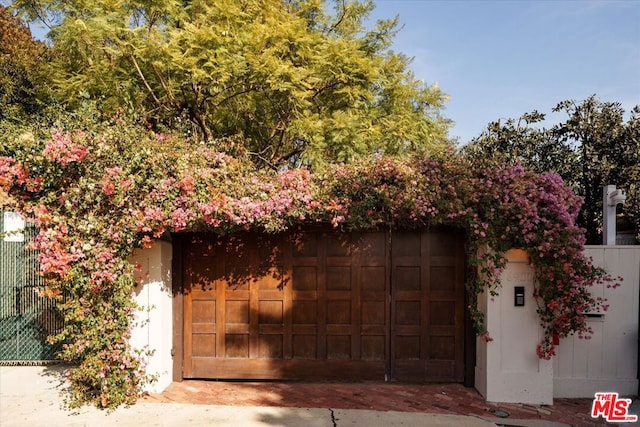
(154, 328)
(609, 360)
(507, 368)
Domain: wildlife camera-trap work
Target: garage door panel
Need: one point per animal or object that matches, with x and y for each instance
(338, 278)
(305, 245)
(201, 282)
(204, 344)
(271, 346)
(406, 244)
(339, 295)
(338, 330)
(427, 306)
(407, 347)
(235, 280)
(377, 296)
(305, 312)
(267, 253)
(236, 328)
(408, 313)
(407, 278)
(377, 330)
(444, 244)
(273, 278)
(235, 271)
(443, 263)
(305, 278)
(442, 278)
(372, 247)
(339, 245)
(373, 312)
(204, 328)
(304, 295)
(234, 294)
(440, 370)
(407, 296)
(442, 331)
(288, 369)
(406, 330)
(200, 276)
(320, 305)
(304, 330)
(442, 313)
(229, 368)
(373, 278)
(270, 312)
(236, 344)
(442, 347)
(305, 345)
(305, 307)
(236, 311)
(409, 370)
(338, 261)
(338, 346)
(261, 295)
(372, 347)
(202, 291)
(203, 311)
(269, 330)
(339, 312)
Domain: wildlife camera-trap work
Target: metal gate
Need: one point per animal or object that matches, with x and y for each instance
(26, 318)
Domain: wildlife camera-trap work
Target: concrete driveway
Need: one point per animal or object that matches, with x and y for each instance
(30, 396)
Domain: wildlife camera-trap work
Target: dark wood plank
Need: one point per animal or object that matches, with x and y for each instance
(288, 369)
(427, 317)
(324, 305)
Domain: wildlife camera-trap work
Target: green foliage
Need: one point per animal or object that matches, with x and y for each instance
(631, 175)
(594, 147)
(607, 149)
(295, 82)
(99, 191)
(22, 92)
(523, 141)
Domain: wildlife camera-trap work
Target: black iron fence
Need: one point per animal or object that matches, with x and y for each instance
(26, 317)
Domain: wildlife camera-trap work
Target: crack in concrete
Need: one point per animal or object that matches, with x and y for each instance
(333, 418)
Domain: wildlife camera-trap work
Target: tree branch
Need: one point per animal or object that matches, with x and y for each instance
(233, 95)
(325, 87)
(196, 117)
(144, 80)
(266, 161)
(163, 84)
(337, 24)
(290, 154)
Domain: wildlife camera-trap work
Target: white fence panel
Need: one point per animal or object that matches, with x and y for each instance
(609, 360)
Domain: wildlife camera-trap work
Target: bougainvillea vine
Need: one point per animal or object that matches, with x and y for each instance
(97, 194)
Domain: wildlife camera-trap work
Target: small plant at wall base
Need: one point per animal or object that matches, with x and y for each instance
(98, 192)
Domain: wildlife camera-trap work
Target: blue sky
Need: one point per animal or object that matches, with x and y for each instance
(501, 58)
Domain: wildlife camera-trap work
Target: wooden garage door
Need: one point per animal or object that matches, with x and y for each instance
(427, 303)
(323, 305)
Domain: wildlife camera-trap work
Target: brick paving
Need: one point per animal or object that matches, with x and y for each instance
(430, 398)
